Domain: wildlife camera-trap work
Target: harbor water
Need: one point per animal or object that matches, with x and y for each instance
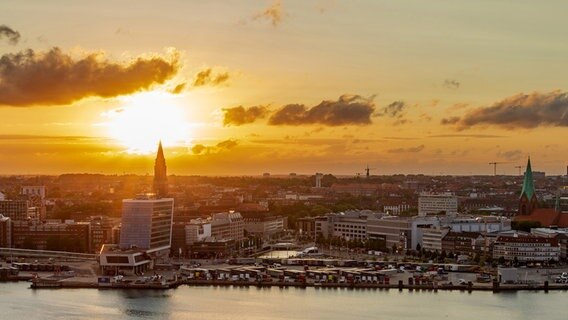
(17, 301)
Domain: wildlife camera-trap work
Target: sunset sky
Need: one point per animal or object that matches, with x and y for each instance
(246, 87)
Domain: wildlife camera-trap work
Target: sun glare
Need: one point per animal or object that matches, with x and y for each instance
(146, 118)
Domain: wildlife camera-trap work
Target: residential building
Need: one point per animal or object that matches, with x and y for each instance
(559, 234)
(526, 249)
(355, 189)
(463, 242)
(197, 230)
(432, 238)
(436, 203)
(227, 225)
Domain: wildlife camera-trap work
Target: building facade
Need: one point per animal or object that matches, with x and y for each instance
(17, 210)
(435, 203)
(147, 223)
(227, 225)
(5, 232)
(526, 249)
(264, 226)
(52, 235)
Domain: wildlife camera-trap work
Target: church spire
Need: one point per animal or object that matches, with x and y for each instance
(528, 201)
(160, 173)
(528, 183)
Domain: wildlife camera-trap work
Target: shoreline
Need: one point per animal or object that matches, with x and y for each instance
(495, 288)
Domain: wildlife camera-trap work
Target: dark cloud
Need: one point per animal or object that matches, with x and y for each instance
(56, 78)
(400, 138)
(272, 14)
(450, 120)
(451, 84)
(179, 88)
(393, 110)
(239, 115)
(407, 150)
(12, 35)
(207, 77)
(465, 136)
(347, 110)
(521, 111)
(227, 144)
(223, 145)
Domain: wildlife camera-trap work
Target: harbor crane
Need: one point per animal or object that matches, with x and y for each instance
(495, 166)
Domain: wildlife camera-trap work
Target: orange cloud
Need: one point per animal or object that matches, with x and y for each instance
(206, 77)
(56, 78)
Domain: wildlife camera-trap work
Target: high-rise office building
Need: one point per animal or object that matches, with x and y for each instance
(147, 223)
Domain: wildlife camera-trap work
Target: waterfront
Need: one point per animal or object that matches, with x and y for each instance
(19, 302)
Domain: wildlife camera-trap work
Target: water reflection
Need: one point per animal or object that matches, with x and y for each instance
(240, 303)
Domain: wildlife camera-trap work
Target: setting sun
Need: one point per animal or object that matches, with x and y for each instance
(146, 118)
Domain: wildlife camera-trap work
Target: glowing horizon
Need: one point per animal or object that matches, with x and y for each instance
(236, 89)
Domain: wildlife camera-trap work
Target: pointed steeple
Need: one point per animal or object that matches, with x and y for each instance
(528, 183)
(528, 201)
(160, 173)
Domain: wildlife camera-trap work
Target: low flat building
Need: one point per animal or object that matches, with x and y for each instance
(114, 261)
(264, 226)
(52, 235)
(218, 249)
(463, 242)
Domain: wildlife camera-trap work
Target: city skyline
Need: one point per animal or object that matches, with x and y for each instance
(242, 88)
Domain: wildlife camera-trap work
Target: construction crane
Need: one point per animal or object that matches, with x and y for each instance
(368, 170)
(519, 167)
(495, 166)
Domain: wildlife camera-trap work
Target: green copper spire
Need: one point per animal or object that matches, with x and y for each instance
(528, 184)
